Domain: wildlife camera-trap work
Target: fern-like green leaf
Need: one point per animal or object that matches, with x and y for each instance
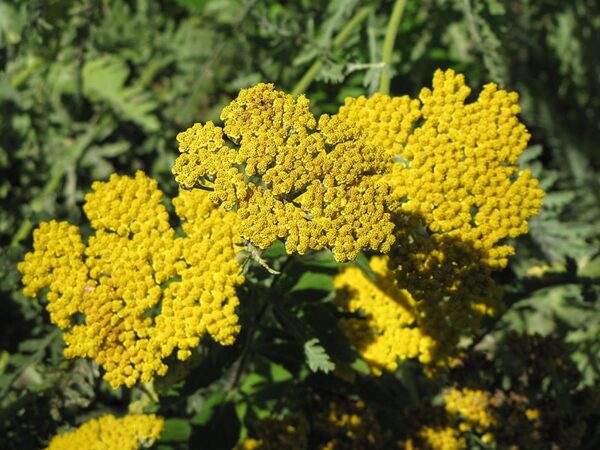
(316, 356)
(104, 80)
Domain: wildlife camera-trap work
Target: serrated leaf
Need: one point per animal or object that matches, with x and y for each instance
(316, 357)
(104, 79)
(530, 154)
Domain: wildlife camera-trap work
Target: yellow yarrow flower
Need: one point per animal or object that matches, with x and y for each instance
(389, 329)
(137, 293)
(465, 411)
(411, 322)
(441, 438)
(471, 406)
(288, 176)
(455, 164)
(457, 195)
(110, 433)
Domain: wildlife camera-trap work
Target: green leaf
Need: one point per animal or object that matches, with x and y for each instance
(11, 24)
(363, 263)
(530, 154)
(314, 281)
(316, 357)
(208, 408)
(176, 430)
(104, 80)
(496, 8)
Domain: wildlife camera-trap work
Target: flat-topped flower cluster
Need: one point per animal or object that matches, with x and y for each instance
(432, 183)
(136, 293)
(108, 432)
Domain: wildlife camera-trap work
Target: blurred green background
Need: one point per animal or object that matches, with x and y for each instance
(88, 88)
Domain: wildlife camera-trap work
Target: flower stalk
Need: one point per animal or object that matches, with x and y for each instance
(388, 45)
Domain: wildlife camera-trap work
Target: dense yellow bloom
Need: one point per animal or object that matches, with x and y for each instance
(456, 169)
(387, 121)
(290, 177)
(438, 438)
(110, 433)
(465, 411)
(389, 329)
(414, 322)
(457, 195)
(137, 293)
(473, 407)
(56, 264)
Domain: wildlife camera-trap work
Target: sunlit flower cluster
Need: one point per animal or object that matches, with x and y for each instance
(438, 438)
(289, 176)
(455, 164)
(457, 195)
(137, 293)
(433, 182)
(111, 433)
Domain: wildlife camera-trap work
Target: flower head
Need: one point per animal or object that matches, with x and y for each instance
(136, 293)
(455, 163)
(111, 433)
(457, 196)
(289, 176)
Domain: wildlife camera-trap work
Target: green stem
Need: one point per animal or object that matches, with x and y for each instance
(388, 45)
(338, 42)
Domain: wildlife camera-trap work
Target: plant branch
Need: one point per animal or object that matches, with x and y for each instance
(388, 45)
(338, 42)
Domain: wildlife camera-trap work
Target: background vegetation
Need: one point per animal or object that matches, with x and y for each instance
(88, 88)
